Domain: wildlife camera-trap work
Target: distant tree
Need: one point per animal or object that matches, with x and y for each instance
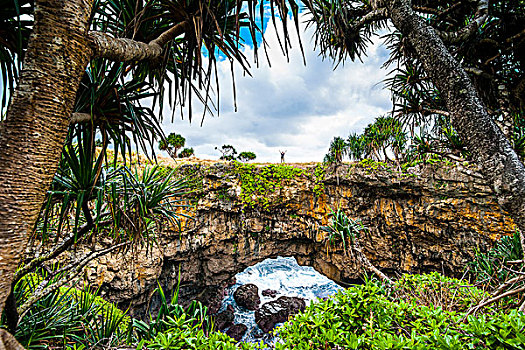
(172, 144)
(228, 152)
(187, 152)
(356, 146)
(338, 149)
(386, 133)
(246, 156)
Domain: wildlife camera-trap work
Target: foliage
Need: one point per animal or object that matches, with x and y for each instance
(15, 27)
(318, 177)
(260, 185)
(246, 156)
(490, 48)
(187, 152)
(90, 201)
(371, 316)
(342, 229)
(172, 144)
(228, 152)
(67, 316)
(499, 265)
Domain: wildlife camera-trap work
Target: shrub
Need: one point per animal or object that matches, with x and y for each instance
(246, 156)
(187, 152)
(370, 316)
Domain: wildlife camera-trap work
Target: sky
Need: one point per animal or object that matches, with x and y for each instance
(289, 106)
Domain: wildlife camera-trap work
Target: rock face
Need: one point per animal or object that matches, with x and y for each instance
(432, 219)
(277, 311)
(247, 296)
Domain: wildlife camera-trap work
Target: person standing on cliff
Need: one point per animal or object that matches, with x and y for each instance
(282, 155)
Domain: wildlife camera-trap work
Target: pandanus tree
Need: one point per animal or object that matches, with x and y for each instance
(94, 62)
(338, 149)
(172, 144)
(468, 61)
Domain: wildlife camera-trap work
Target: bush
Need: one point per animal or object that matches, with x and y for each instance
(68, 317)
(371, 316)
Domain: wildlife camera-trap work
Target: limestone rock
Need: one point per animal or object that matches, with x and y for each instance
(432, 219)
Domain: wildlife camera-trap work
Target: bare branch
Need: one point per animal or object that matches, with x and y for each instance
(75, 269)
(56, 251)
(125, 50)
(77, 118)
(371, 17)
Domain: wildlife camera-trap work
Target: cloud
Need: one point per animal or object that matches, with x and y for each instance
(289, 106)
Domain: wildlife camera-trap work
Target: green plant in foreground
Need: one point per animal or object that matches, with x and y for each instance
(372, 316)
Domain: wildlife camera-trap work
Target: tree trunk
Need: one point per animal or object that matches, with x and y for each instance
(491, 150)
(33, 134)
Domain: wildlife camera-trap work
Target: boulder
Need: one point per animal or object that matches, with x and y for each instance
(237, 331)
(224, 320)
(277, 311)
(247, 296)
(270, 293)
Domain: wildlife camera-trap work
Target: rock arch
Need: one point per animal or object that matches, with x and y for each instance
(431, 219)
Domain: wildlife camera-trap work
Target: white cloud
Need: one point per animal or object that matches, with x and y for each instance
(289, 106)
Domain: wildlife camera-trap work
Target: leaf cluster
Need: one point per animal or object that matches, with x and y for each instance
(371, 316)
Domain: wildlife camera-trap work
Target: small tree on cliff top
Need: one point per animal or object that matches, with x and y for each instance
(172, 144)
(246, 156)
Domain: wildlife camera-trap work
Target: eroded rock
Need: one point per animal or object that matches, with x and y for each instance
(224, 320)
(270, 293)
(237, 331)
(247, 296)
(278, 311)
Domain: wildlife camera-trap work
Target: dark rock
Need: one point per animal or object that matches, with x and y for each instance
(230, 308)
(270, 293)
(224, 320)
(237, 331)
(212, 297)
(277, 311)
(247, 296)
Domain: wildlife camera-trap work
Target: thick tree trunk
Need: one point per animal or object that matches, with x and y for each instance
(33, 134)
(491, 150)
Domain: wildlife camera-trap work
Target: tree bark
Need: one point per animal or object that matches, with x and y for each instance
(491, 150)
(37, 121)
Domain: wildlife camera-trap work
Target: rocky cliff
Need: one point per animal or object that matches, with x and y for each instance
(431, 217)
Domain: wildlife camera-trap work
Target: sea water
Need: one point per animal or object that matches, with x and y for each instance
(286, 277)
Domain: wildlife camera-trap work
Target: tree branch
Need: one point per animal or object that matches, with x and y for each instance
(76, 267)
(62, 247)
(125, 50)
(77, 118)
(376, 15)
(466, 32)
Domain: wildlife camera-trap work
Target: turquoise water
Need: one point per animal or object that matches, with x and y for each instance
(286, 277)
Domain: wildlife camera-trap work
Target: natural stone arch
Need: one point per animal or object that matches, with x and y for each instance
(432, 221)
